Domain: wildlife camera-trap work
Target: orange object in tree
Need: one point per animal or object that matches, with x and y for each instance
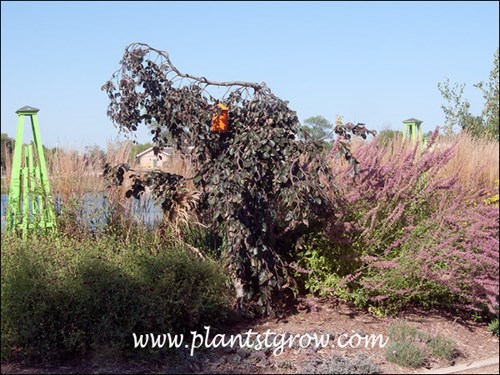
(219, 122)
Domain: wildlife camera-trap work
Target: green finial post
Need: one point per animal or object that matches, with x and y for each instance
(30, 202)
(412, 130)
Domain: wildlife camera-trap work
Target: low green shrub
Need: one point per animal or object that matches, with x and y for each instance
(79, 296)
(327, 264)
(334, 269)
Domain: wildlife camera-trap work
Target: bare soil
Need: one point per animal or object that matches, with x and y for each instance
(315, 316)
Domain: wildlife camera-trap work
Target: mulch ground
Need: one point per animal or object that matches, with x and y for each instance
(315, 316)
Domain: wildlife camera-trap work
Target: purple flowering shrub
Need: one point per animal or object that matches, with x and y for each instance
(414, 235)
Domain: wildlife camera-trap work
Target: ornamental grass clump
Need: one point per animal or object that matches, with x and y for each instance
(411, 347)
(405, 354)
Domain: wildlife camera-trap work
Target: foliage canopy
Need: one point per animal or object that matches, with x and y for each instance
(259, 183)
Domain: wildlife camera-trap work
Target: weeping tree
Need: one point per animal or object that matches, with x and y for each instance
(260, 186)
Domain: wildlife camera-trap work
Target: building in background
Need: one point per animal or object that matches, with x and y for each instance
(148, 160)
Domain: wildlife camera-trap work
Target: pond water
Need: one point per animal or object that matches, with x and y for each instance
(95, 209)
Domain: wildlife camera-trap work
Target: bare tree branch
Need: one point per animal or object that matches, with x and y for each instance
(256, 86)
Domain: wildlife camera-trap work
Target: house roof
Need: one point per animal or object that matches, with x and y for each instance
(167, 151)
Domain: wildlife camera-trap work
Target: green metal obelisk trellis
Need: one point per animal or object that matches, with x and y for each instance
(30, 206)
(412, 130)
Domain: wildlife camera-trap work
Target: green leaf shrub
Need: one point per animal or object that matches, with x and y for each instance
(78, 297)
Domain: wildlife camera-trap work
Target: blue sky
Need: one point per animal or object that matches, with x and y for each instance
(372, 62)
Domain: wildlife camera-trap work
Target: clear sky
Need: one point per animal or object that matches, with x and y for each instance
(372, 62)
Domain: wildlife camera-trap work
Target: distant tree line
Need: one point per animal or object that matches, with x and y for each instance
(6, 150)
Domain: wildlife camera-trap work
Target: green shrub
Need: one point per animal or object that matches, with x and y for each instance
(330, 266)
(77, 297)
(327, 264)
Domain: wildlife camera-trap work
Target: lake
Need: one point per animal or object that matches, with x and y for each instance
(95, 208)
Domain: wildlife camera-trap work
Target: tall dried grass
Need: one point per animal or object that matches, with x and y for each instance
(130, 215)
(76, 173)
(76, 183)
(476, 160)
(71, 173)
(178, 164)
